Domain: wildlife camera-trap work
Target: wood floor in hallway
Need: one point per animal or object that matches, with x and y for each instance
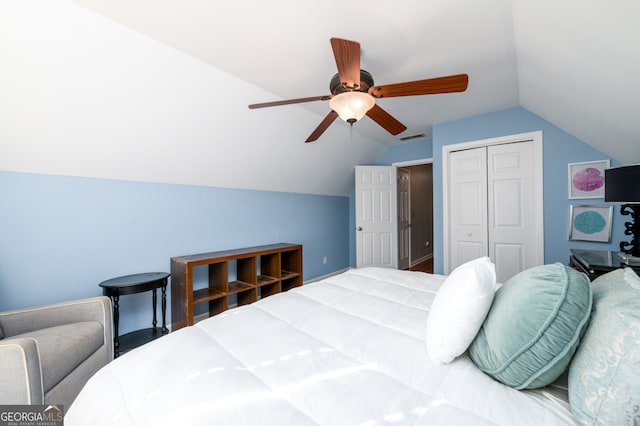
(426, 266)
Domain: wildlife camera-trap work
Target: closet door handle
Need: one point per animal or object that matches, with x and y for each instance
(359, 228)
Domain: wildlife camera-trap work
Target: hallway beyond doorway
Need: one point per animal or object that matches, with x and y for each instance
(425, 266)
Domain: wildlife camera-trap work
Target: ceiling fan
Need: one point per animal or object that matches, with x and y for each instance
(353, 92)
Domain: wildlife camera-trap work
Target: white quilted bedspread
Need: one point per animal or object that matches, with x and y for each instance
(348, 350)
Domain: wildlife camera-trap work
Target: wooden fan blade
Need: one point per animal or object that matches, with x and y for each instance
(347, 54)
(322, 126)
(290, 101)
(386, 120)
(429, 86)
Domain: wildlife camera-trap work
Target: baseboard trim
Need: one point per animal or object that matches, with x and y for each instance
(322, 277)
(422, 259)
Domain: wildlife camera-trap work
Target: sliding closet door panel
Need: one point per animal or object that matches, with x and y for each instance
(468, 205)
(511, 225)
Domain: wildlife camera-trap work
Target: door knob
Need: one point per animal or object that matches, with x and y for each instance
(469, 234)
(359, 228)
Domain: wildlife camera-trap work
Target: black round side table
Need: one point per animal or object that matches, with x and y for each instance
(131, 284)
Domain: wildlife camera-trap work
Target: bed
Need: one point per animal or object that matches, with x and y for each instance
(347, 350)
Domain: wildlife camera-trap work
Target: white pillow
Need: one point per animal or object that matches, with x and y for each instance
(459, 309)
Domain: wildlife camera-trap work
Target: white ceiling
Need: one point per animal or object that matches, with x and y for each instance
(283, 47)
(575, 63)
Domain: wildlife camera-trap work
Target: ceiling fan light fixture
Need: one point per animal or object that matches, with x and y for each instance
(352, 106)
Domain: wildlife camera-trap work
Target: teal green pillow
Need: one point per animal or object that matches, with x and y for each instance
(604, 377)
(534, 326)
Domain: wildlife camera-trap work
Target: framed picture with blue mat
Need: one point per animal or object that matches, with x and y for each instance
(590, 223)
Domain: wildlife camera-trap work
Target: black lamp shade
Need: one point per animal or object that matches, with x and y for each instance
(622, 184)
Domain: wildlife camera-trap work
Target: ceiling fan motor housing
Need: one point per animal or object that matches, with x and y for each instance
(336, 86)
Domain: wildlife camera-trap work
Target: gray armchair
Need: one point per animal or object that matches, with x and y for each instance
(48, 353)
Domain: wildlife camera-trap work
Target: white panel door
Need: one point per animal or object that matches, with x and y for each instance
(376, 216)
(404, 219)
(512, 208)
(468, 206)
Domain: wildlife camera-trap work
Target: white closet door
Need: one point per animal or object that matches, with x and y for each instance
(468, 205)
(511, 202)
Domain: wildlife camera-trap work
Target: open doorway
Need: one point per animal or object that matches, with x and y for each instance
(377, 223)
(420, 215)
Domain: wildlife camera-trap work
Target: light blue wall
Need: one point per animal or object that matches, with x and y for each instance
(61, 236)
(422, 148)
(560, 148)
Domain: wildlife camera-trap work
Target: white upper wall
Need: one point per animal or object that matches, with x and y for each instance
(84, 96)
(578, 68)
(158, 90)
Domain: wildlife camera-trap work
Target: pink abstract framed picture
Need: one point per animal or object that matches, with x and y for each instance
(586, 179)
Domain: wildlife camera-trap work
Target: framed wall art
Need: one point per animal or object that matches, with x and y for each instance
(586, 179)
(590, 223)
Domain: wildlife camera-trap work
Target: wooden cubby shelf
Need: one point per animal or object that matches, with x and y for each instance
(259, 272)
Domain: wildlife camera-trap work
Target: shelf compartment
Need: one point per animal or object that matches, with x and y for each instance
(270, 264)
(218, 276)
(264, 280)
(246, 297)
(270, 289)
(291, 260)
(245, 292)
(246, 270)
(236, 287)
(290, 283)
(218, 306)
(289, 274)
(207, 294)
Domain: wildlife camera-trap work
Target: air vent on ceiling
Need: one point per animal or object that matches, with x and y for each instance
(408, 138)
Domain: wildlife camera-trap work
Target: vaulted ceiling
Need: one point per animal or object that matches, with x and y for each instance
(574, 63)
